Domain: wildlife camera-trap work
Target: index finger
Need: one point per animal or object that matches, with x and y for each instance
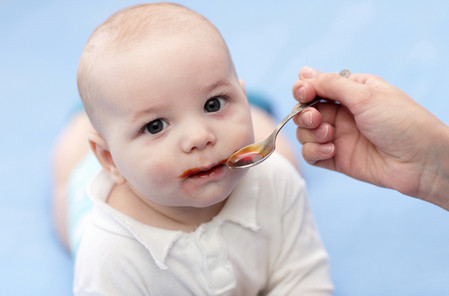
(303, 91)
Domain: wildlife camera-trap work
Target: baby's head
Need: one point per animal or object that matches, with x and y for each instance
(149, 26)
(159, 86)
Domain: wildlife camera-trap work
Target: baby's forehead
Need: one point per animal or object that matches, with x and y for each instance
(133, 25)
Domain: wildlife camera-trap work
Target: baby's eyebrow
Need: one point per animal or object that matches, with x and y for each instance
(217, 83)
(145, 112)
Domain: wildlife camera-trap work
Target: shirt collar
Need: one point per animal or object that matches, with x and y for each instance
(240, 208)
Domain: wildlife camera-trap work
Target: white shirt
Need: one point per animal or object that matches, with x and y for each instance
(263, 242)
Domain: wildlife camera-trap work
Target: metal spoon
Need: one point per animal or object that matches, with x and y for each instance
(254, 154)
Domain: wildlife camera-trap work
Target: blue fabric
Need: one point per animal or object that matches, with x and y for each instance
(261, 101)
(380, 242)
(78, 201)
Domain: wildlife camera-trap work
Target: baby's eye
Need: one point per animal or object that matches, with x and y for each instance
(155, 126)
(214, 104)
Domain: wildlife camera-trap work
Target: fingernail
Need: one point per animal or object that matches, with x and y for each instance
(302, 94)
(307, 118)
(326, 148)
(308, 73)
(322, 131)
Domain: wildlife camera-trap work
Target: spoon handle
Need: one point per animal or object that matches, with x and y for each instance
(296, 111)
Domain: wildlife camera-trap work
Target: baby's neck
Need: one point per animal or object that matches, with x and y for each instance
(186, 219)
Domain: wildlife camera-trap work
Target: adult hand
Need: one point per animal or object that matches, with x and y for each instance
(375, 133)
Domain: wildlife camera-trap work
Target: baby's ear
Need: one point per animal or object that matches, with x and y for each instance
(242, 85)
(101, 151)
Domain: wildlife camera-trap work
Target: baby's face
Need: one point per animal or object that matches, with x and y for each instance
(176, 112)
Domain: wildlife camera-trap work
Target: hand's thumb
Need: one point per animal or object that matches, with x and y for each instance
(335, 87)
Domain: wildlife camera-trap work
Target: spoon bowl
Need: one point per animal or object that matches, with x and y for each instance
(254, 154)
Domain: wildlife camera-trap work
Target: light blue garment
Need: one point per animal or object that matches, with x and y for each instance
(78, 203)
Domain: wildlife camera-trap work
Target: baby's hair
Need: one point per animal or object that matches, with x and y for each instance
(124, 30)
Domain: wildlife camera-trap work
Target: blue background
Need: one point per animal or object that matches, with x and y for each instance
(380, 242)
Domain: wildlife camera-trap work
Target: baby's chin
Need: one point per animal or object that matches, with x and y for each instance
(215, 194)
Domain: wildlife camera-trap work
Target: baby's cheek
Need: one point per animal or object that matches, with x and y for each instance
(244, 126)
(157, 177)
(162, 172)
(243, 135)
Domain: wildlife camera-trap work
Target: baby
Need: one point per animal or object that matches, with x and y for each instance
(169, 218)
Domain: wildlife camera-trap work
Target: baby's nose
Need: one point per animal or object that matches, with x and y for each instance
(197, 139)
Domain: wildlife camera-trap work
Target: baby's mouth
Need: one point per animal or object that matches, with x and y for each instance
(202, 172)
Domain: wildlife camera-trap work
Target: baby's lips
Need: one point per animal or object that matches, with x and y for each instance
(195, 171)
